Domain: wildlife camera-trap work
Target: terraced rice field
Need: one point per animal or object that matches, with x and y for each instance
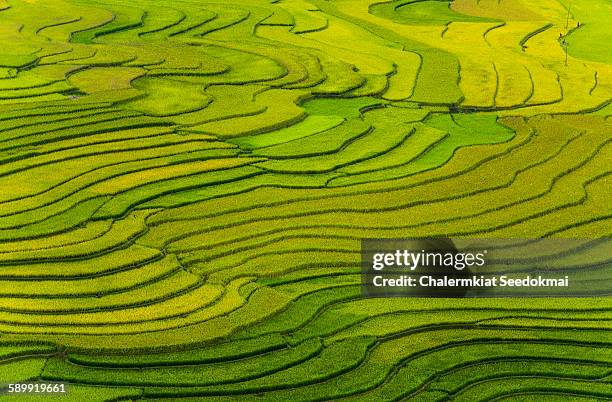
(185, 183)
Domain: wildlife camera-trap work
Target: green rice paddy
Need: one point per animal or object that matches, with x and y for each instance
(185, 184)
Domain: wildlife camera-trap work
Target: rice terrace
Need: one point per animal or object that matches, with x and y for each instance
(184, 186)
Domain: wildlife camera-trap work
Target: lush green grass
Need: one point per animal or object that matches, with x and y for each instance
(589, 40)
(185, 185)
(165, 97)
(310, 126)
